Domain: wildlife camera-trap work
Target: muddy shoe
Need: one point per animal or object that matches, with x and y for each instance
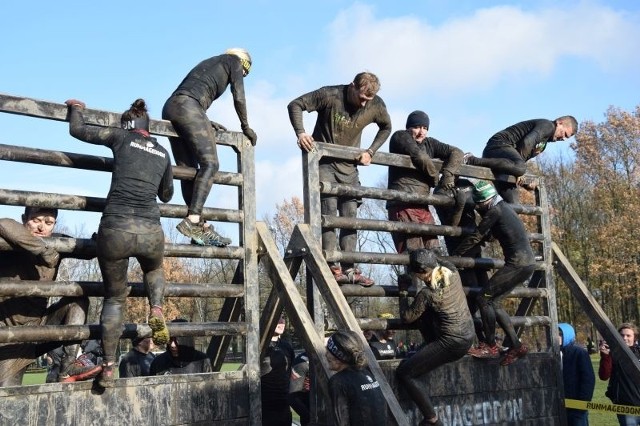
(513, 355)
(106, 378)
(192, 230)
(160, 332)
(212, 238)
(355, 276)
(484, 351)
(79, 372)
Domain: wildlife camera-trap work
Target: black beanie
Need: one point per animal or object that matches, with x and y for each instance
(418, 118)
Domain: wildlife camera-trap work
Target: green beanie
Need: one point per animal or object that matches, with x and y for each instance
(483, 191)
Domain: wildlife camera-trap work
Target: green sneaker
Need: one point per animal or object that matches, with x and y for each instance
(192, 230)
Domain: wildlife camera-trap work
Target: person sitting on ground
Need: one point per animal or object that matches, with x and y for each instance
(622, 389)
(508, 150)
(415, 143)
(577, 374)
(33, 258)
(130, 224)
(502, 222)
(355, 394)
(195, 145)
(181, 357)
(441, 310)
(343, 113)
(137, 362)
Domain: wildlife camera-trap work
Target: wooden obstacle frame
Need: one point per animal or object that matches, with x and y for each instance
(468, 391)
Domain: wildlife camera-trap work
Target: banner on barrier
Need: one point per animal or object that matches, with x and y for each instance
(605, 408)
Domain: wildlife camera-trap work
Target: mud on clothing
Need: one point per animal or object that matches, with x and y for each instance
(357, 399)
(341, 124)
(420, 180)
(130, 224)
(186, 108)
(444, 319)
(501, 221)
(26, 263)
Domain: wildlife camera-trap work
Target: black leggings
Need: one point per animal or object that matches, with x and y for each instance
(490, 301)
(195, 147)
(119, 239)
(503, 160)
(439, 352)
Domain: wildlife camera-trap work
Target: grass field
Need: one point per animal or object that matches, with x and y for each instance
(595, 418)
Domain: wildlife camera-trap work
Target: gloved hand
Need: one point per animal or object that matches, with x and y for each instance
(218, 126)
(73, 102)
(447, 180)
(250, 134)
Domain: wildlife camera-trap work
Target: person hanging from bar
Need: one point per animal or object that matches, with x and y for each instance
(441, 312)
(195, 145)
(502, 222)
(33, 258)
(130, 224)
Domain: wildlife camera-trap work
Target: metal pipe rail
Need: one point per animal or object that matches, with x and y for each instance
(96, 289)
(398, 324)
(403, 259)
(59, 112)
(66, 333)
(85, 248)
(406, 227)
(96, 204)
(96, 163)
(341, 189)
(354, 290)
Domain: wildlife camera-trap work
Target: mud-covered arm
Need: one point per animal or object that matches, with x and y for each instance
(88, 133)
(384, 127)
(239, 99)
(16, 235)
(482, 231)
(403, 143)
(542, 132)
(165, 190)
(410, 314)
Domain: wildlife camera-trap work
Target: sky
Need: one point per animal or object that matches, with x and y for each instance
(474, 66)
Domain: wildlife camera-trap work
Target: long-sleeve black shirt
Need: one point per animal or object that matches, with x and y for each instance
(505, 225)
(529, 137)
(357, 399)
(208, 80)
(338, 122)
(425, 175)
(141, 169)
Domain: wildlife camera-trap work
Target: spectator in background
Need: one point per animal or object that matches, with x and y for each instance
(355, 394)
(621, 389)
(577, 373)
(299, 388)
(181, 357)
(137, 362)
(274, 383)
